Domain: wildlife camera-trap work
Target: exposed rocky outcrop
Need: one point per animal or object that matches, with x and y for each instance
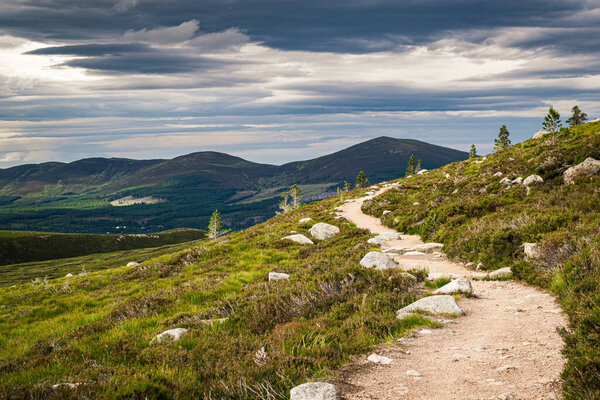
(589, 167)
(315, 391)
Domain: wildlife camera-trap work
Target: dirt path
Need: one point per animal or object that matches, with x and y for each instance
(505, 347)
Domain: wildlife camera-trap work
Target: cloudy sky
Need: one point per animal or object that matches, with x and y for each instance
(281, 80)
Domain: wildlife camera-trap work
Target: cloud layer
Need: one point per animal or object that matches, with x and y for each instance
(280, 80)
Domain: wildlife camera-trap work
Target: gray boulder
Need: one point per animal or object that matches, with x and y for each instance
(414, 253)
(421, 172)
(298, 238)
(539, 134)
(460, 285)
(589, 167)
(441, 304)
(173, 334)
(429, 247)
(323, 231)
(377, 241)
(500, 273)
(385, 212)
(389, 236)
(531, 250)
(533, 179)
(315, 391)
(506, 181)
(377, 260)
(278, 276)
(517, 181)
(305, 220)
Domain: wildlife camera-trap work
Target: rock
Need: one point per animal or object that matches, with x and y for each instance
(385, 212)
(299, 238)
(588, 167)
(593, 120)
(174, 334)
(455, 191)
(500, 273)
(517, 181)
(408, 276)
(477, 161)
(305, 220)
(439, 304)
(260, 357)
(377, 359)
(506, 181)
(414, 253)
(479, 266)
(498, 174)
(369, 193)
(323, 231)
(533, 179)
(377, 260)
(531, 250)
(413, 372)
(278, 276)
(68, 275)
(132, 264)
(416, 203)
(460, 285)
(421, 172)
(389, 236)
(315, 391)
(376, 241)
(539, 134)
(397, 250)
(429, 247)
(212, 321)
(447, 175)
(66, 385)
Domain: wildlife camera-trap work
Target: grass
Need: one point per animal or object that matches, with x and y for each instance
(96, 329)
(22, 246)
(483, 221)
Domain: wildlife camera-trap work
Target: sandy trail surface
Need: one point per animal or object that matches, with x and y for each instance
(505, 347)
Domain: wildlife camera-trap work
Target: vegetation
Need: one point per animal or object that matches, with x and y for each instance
(473, 152)
(411, 167)
(577, 117)
(215, 226)
(290, 199)
(502, 142)
(95, 329)
(480, 219)
(361, 181)
(552, 123)
(21, 247)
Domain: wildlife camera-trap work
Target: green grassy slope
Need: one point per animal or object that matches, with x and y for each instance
(96, 329)
(480, 220)
(22, 246)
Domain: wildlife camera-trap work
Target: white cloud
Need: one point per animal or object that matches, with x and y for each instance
(164, 35)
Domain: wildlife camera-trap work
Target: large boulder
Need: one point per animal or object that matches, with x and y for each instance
(531, 250)
(323, 231)
(589, 167)
(500, 273)
(539, 134)
(460, 285)
(298, 238)
(533, 179)
(441, 304)
(315, 391)
(377, 260)
(173, 334)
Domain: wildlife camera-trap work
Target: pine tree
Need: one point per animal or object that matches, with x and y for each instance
(552, 124)
(214, 226)
(361, 181)
(295, 196)
(473, 152)
(347, 186)
(283, 205)
(502, 142)
(410, 168)
(577, 118)
(418, 167)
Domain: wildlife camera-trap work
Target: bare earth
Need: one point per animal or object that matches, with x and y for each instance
(505, 347)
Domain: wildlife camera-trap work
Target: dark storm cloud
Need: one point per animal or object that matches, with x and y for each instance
(88, 50)
(333, 25)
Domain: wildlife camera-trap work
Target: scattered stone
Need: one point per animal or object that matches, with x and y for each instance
(369, 193)
(298, 238)
(500, 273)
(533, 179)
(425, 331)
(378, 260)
(413, 373)
(323, 231)
(455, 191)
(278, 276)
(517, 181)
(377, 241)
(68, 275)
(506, 368)
(531, 250)
(260, 357)
(440, 304)
(588, 167)
(132, 264)
(447, 175)
(429, 247)
(293, 232)
(385, 212)
(389, 236)
(506, 181)
(174, 334)
(460, 285)
(498, 173)
(305, 220)
(479, 266)
(539, 134)
(458, 357)
(377, 359)
(408, 276)
(421, 172)
(416, 203)
(66, 385)
(414, 253)
(315, 391)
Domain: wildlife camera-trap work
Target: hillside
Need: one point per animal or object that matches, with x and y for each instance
(184, 191)
(251, 337)
(21, 247)
(481, 219)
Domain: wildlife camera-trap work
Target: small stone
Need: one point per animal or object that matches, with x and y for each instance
(174, 334)
(389, 236)
(439, 304)
(421, 172)
(414, 253)
(305, 220)
(413, 373)
(315, 391)
(532, 180)
(377, 359)
(278, 276)
(376, 241)
(132, 264)
(298, 238)
(500, 273)
(68, 275)
(460, 285)
(385, 212)
(377, 260)
(416, 203)
(506, 368)
(498, 173)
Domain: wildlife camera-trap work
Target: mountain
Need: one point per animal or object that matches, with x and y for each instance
(86, 196)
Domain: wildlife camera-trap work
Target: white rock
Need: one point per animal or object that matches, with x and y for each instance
(440, 304)
(416, 203)
(377, 359)
(517, 181)
(505, 181)
(531, 250)
(533, 179)
(408, 276)
(305, 220)
(455, 191)
(398, 250)
(66, 384)
(413, 372)
(389, 236)
(369, 193)
(385, 212)
(593, 120)
(588, 167)
(460, 285)
(315, 391)
(298, 238)
(174, 334)
(68, 275)
(539, 134)
(500, 273)
(278, 276)
(498, 173)
(421, 172)
(132, 264)
(447, 175)
(377, 241)
(429, 247)
(414, 253)
(323, 231)
(377, 260)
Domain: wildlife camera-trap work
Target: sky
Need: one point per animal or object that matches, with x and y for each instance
(275, 81)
